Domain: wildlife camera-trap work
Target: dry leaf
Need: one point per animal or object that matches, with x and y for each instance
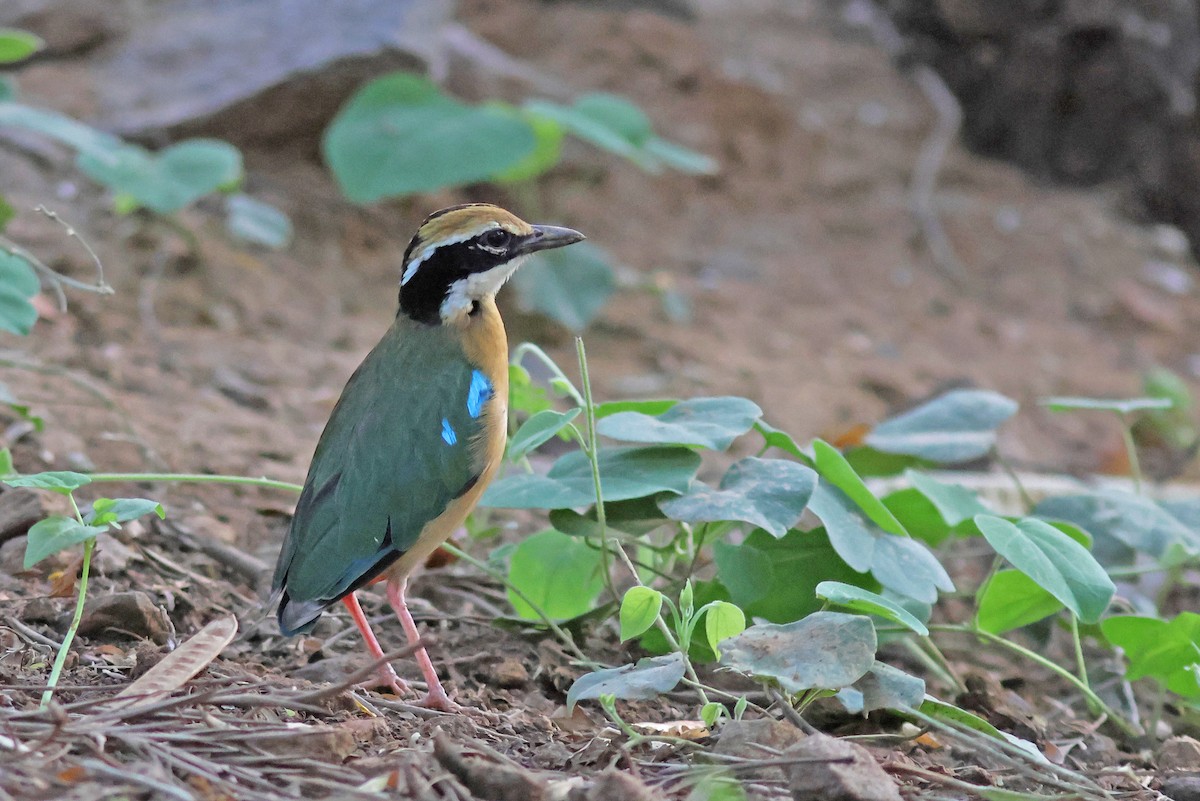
(178, 667)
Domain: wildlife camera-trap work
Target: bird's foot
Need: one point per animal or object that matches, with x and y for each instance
(388, 678)
(436, 698)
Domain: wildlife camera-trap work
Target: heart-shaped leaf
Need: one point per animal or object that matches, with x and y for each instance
(1166, 651)
(711, 423)
(826, 650)
(954, 502)
(256, 222)
(955, 427)
(834, 468)
(649, 678)
(106, 511)
(1055, 561)
(562, 575)
(400, 134)
(722, 621)
(53, 534)
(639, 609)
(169, 180)
(870, 603)
(1010, 600)
(624, 473)
(768, 493)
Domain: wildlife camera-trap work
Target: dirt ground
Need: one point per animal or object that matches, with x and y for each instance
(812, 293)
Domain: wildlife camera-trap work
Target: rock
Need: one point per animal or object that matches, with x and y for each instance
(49, 611)
(69, 28)
(20, 509)
(613, 785)
(257, 71)
(1181, 788)
(763, 738)
(510, 673)
(1179, 753)
(127, 613)
(859, 779)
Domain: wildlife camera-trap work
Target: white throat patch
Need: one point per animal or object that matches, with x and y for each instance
(466, 291)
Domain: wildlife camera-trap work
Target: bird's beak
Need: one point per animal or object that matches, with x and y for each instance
(545, 237)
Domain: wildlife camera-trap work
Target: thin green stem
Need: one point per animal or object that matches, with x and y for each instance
(1135, 465)
(1026, 498)
(1080, 663)
(194, 478)
(61, 658)
(1094, 700)
(539, 354)
(592, 450)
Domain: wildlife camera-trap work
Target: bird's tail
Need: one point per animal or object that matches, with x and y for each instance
(298, 617)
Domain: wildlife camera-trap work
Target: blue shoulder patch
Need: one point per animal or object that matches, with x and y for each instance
(448, 432)
(479, 393)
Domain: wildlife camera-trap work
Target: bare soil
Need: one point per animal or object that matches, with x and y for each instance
(812, 292)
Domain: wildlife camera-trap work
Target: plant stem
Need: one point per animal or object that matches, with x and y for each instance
(532, 349)
(1135, 466)
(593, 453)
(1093, 699)
(61, 658)
(195, 478)
(1080, 664)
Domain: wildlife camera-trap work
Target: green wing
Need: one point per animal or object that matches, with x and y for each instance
(395, 452)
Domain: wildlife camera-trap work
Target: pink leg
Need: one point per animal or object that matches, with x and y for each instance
(360, 620)
(435, 696)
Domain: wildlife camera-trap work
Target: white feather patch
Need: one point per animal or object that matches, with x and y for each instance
(477, 286)
(411, 268)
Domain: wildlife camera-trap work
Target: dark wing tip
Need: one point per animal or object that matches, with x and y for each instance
(298, 617)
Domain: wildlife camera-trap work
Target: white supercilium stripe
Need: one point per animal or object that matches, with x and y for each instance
(411, 269)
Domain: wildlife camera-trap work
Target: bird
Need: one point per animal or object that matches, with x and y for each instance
(418, 432)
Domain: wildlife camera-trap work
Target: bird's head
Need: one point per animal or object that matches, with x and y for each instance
(462, 255)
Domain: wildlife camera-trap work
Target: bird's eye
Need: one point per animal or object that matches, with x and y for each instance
(496, 239)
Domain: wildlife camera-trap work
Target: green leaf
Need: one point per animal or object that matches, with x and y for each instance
(59, 127)
(7, 212)
(711, 712)
(635, 517)
(615, 135)
(954, 502)
(560, 574)
(826, 650)
(624, 473)
(6, 463)
(768, 493)
(777, 438)
(941, 710)
(1011, 600)
(257, 222)
(956, 427)
(524, 395)
(901, 564)
(18, 284)
(680, 158)
(8, 89)
(720, 786)
(1057, 563)
(649, 678)
(400, 134)
(569, 285)
(883, 687)
(870, 603)
(48, 537)
(834, 468)
(537, 430)
(906, 567)
(712, 423)
(723, 620)
(169, 180)
(64, 482)
(1072, 404)
(1166, 651)
(649, 407)
(1118, 519)
(18, 45)
(546, 153)
(776, 579)
(106, 511)
(920, 518)
(639, 609)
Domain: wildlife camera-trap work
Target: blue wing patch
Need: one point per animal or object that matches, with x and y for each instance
(448, 432)
(479, 393)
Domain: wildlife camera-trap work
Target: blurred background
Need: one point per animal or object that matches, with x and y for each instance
(836, 209)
